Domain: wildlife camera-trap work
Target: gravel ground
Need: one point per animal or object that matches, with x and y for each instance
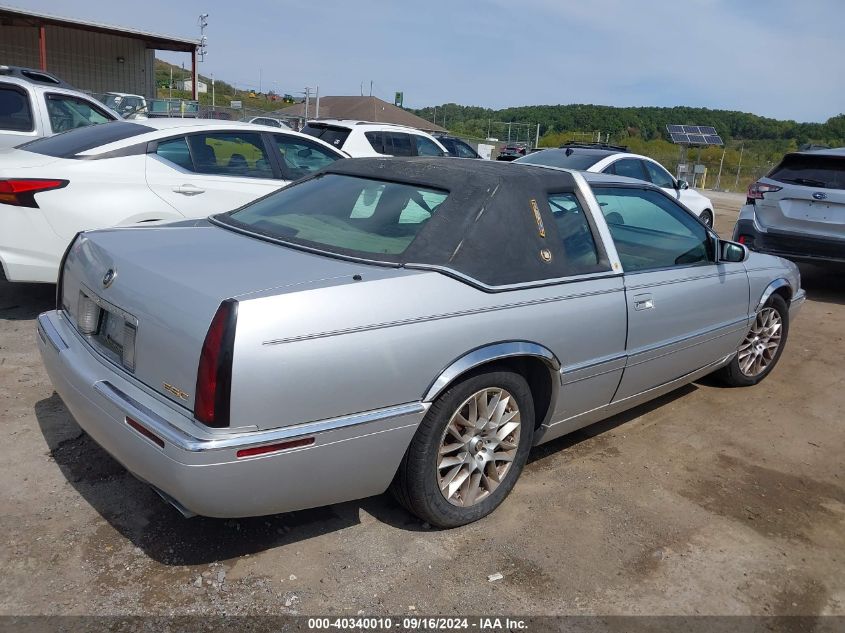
(707, 501)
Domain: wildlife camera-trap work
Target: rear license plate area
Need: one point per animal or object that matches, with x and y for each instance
(111, 332)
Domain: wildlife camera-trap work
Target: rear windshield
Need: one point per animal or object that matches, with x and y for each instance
(372, 219)
(558, 158)
(15, 113)
(69, 144)
(824, 172)
(335, 136)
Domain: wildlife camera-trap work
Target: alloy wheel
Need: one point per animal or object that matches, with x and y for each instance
(478, 446)
(761, 344)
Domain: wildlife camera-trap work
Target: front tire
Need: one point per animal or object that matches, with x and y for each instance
(468, 451)
(707, 218)
(762, 346)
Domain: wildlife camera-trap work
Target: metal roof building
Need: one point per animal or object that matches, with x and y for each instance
(90, 56)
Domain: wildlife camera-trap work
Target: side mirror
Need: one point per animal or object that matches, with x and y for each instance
(681, 185)
(732, 252)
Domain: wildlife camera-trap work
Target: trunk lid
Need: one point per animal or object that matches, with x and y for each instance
(811, 200)
(168, 281)
(17, 163)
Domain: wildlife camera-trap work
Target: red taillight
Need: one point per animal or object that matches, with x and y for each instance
(742, 239)
(20, 192)
(757, 189)
(274, 448)
(214, 374)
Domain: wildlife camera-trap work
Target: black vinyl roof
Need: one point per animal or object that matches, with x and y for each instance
(493, 227)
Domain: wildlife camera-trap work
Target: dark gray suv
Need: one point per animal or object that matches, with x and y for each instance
(797, 211)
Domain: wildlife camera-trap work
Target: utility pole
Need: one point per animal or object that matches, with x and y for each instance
(212, 91)
(537, 137)
(259, 81)
(317, 106)
(434, 120)
(739, 166)
(307, 99)
(170, 94)
(371, 87)
(509, 132)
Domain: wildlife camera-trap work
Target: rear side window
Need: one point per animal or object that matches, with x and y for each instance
(67, 112)
(230, 154)
(465, 151)
(176, 151)
(15, 111)
(335, 136)
(823, 172)
(377, 142)
(559, 158)
(300, 157)
(576, 237)
(402, 145)
(427, 148)
(392, 143)
(69, 144)
(629, 167)
(658, 175)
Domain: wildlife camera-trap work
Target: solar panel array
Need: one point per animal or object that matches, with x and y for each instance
(694, 135)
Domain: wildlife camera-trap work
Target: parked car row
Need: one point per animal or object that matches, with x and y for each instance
(137, 171)
(395, 323)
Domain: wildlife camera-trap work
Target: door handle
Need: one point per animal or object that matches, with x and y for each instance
(643, 302)
(188, 190)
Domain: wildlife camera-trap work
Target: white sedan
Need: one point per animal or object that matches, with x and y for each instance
(610, 159)
(127, 172)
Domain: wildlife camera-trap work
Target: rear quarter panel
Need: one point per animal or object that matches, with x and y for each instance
(325, 352)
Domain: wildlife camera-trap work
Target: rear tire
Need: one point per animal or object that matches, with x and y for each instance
(761, 348)
(468, 451)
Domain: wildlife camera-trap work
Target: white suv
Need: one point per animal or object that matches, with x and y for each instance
(363, 138)
(34, 103)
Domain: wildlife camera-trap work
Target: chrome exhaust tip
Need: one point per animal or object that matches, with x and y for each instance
(182, 509)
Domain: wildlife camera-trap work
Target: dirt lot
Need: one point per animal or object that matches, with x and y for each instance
(708, 501)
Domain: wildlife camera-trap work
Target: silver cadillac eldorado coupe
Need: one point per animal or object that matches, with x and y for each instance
(414, 324)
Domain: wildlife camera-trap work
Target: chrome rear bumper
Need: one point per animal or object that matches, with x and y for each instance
(351, 457)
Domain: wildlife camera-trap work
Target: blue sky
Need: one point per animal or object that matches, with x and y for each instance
(778, 58)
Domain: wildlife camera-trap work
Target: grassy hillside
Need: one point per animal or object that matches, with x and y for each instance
(754, 144)
(223, 91)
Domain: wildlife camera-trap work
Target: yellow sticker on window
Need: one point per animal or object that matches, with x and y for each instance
(537, 218)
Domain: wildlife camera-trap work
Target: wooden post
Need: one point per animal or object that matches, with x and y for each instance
(42, 47)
